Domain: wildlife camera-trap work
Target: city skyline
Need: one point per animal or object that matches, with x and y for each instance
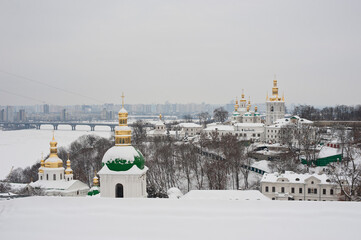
(88, 52)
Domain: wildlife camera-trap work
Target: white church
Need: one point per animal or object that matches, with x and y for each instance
(54, 180)
(123, 174)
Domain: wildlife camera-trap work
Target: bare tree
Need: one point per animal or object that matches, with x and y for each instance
(232, 150)
(220, 115)
(203, 118)
(139, 132)
(347, 174)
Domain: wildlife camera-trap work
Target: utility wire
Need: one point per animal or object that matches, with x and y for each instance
(48, 85)
(23, 96)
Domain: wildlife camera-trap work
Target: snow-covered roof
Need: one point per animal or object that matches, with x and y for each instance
(53, 159)
(121, 152)
(190, 125)
(249, 125)
(329, 151)
(58, 185)
(219, 128)
(157, 132)
(292, 177)
(133, 171)
(94, 218)
(122, 110)
(283, 121)
(226, 195)
(159, 123)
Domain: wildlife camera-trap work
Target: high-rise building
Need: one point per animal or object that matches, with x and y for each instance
(63, 115)
(46, 108)
(21, 115)
(9, 114)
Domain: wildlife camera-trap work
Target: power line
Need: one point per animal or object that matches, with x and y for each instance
(23, 96)
(50, 86)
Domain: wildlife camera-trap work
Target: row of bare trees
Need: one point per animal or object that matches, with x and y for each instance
(340, 113)
(180, 164)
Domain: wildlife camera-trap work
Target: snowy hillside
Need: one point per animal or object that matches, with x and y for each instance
(22, 148)
(98, 218)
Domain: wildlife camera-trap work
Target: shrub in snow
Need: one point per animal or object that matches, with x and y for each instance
(174, 192)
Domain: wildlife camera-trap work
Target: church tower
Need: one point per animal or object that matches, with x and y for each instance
(275, 105)
(68, 171)
(123, 174)
(52, 169)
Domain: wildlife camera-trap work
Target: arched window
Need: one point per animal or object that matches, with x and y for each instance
(271, 108)
(54, 177)
(61, 176)
(41, 177)
(47, 177)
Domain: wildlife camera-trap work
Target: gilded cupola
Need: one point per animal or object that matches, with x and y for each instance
(53, 161)
(123, 133)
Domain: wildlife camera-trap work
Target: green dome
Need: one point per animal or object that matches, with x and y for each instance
(123, 158)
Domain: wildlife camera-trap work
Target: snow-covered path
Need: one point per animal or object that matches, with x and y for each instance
(99, 218)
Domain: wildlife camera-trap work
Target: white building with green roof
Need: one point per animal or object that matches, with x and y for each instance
(123, 174)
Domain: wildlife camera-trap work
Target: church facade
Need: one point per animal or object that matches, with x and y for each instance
(123, 174)
(54, 180)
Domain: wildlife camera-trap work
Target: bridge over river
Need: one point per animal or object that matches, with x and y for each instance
(37, 125)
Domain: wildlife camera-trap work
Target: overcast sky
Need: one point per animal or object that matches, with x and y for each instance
(179, 51)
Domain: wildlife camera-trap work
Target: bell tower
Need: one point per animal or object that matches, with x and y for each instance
(275, 105)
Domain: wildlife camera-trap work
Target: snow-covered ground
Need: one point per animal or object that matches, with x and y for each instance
(22, 148)
(98, 218)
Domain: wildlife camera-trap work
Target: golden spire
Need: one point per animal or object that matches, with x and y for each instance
(236, 106)
(53, 147)
(123, 99)
(123, 133)
(267, 97)
(255, 108)
(95, 179)
(68, 169)
(160, 117)
(248, 108)
(249, 101)
(283, 97)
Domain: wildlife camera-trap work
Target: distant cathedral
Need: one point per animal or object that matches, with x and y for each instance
(275, 109)
(275, 105)
(243, 114)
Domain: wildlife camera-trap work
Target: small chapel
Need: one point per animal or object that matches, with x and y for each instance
(54, 180)
(123, 174)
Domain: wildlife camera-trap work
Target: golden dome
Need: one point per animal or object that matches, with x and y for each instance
(95, 180)
(68, 169)
(53, 161)
(236, 106)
